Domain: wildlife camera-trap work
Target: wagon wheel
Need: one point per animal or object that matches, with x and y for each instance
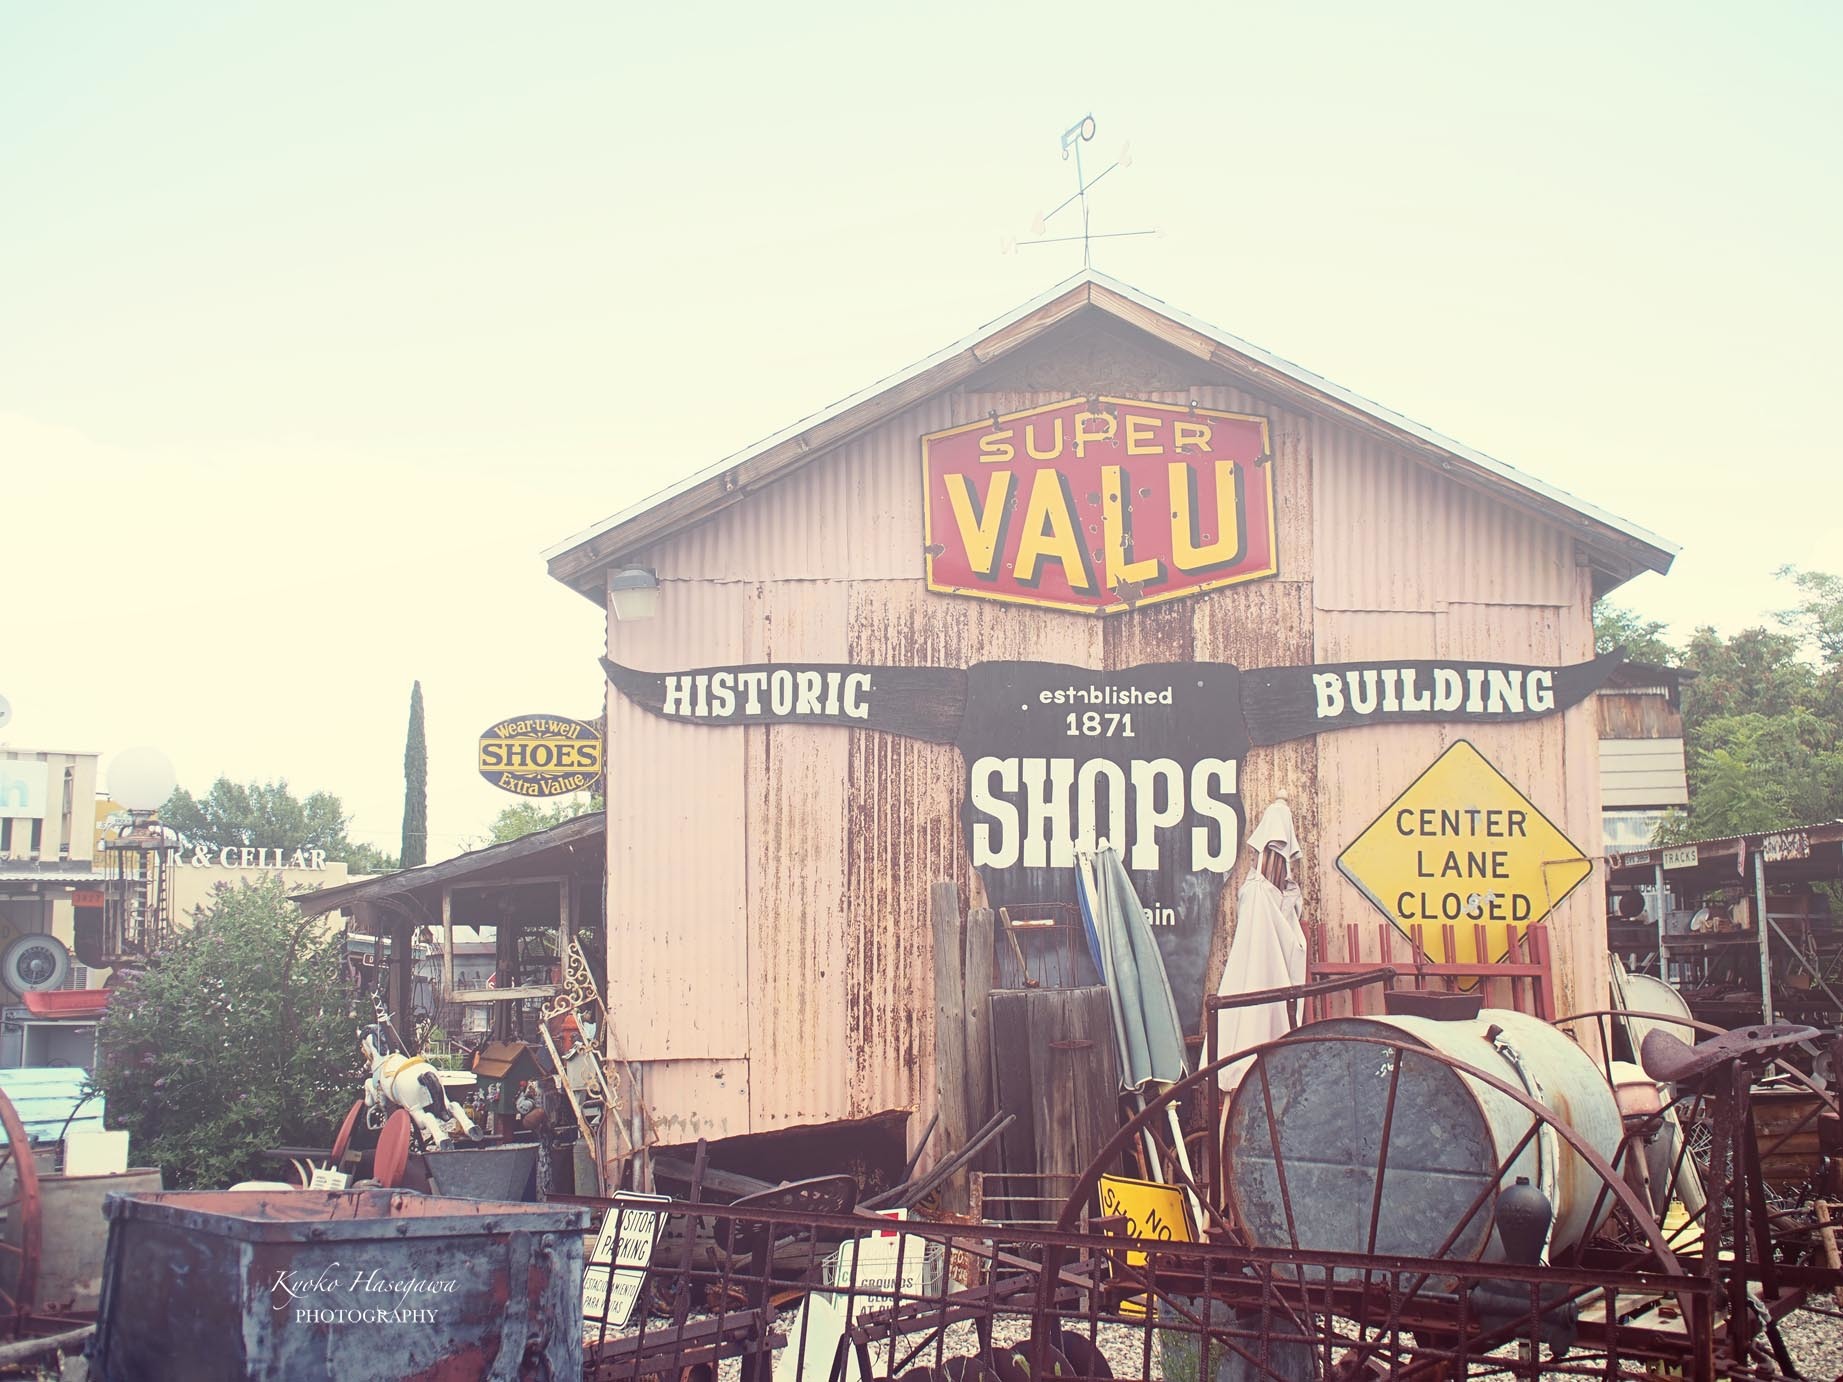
(392, 1158)
(21, 1207)
(343, 1139)
(1789, 1204)
(1325, 1177)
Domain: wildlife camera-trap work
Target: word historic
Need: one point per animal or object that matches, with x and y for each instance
(1059, 758)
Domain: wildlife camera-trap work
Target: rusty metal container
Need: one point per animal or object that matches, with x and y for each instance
(1446, 1135)
(360, 1285)
(73, 1235)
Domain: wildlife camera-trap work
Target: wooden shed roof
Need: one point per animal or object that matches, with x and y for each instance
(575, 846)
(1618, 549)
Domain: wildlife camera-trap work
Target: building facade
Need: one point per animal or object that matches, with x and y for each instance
(1036, 508)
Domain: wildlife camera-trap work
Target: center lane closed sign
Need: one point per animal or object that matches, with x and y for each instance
(1462, 847)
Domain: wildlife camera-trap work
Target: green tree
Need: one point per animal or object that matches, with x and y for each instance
(1753, 672)
(1763, 719)
(415, 787)
(527, 816)
(267, 815)
(237, 1038)
(1642, 639)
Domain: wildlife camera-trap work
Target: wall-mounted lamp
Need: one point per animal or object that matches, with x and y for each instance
(633, 594)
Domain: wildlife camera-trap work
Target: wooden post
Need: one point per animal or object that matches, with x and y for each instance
(977, 985)
(949, 1033)
(403, 972)
(448, 951)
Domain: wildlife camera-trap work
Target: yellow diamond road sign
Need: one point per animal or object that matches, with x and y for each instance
(1464, 848)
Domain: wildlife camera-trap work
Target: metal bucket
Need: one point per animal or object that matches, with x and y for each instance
(1447, 1134)
(504, 1172)
(361, 1285)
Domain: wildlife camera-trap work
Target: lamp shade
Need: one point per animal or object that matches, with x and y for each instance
(142, 778)
(634, 594)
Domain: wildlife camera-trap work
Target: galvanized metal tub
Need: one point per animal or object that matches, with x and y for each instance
(1447, 1135)
(503, 1172)
(361, 1285)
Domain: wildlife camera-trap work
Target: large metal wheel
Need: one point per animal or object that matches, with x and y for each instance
(1364, 1303)
(22, 1211)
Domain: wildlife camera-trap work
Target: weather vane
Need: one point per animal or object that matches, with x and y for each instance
(1082, 132)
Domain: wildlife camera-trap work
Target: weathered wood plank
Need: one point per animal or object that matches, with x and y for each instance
(1075, 1076)
(950, 1084)
(976, 988)
(1009, 1011)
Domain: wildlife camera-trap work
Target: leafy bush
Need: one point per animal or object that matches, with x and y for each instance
(237, 1038)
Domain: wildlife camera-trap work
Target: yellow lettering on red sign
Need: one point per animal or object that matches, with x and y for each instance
(1099, 504)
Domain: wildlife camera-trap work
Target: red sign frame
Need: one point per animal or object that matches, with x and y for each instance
(1102, 504)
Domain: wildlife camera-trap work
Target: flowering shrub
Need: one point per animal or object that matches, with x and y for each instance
(236, 1038)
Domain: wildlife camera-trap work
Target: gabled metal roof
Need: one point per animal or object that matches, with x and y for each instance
(1621, 548)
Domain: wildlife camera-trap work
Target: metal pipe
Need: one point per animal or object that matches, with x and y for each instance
(50, 1343)
(1663, 964)
(1763, 930)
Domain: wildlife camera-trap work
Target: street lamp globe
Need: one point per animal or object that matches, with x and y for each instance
(142, 778)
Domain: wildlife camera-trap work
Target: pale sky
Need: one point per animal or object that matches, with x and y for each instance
(319, 322)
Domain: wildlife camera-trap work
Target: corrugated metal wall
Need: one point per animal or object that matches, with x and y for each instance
(769, 889)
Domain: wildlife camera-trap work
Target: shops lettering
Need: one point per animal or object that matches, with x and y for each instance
(1042, 812)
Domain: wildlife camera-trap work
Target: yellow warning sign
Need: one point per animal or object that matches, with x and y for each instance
(1464, 848)
(1151, 1210)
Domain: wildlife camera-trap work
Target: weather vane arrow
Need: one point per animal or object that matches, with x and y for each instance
(1082, 132)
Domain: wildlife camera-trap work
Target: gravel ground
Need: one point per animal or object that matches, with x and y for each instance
(1815, 1342)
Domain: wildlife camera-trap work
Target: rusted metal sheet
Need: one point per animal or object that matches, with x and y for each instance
(1394, 535)
(232, 1284)
(1270, 624)
(689, 1099)
(677, 844)
(796, 791)
(854, 513)
(904, 829)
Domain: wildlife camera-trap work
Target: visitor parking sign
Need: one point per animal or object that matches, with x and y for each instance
(1462, 847)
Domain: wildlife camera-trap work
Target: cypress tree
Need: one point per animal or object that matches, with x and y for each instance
(415, 787)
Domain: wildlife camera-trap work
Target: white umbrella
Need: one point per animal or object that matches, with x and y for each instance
(1268, 951)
